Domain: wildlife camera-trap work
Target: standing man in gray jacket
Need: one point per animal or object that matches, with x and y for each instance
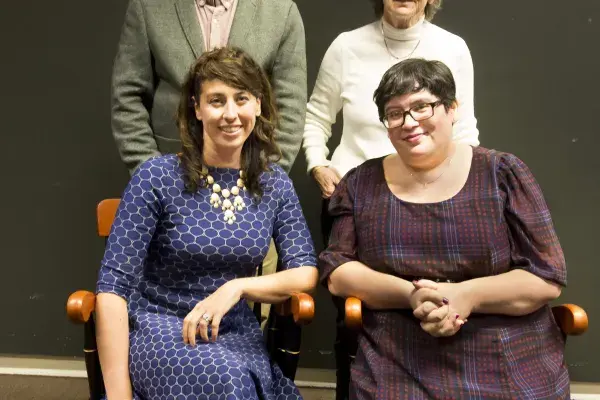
(160, 41)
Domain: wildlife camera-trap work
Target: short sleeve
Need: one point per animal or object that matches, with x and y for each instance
(292, 238)
(132, 231)
(534, 244)
(342, 247)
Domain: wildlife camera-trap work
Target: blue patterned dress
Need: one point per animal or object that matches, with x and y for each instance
(169, 249)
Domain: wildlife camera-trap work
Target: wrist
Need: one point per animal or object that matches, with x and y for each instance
(470, 295)
(238, 287)
(316, 169)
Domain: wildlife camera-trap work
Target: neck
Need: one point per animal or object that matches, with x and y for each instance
(222, 158)
(409, 34)
(402, 23)
(424, 164)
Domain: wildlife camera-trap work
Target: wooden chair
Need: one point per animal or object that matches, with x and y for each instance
(571, 318)
(285, 318)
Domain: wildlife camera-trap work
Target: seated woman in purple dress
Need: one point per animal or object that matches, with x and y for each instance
(452, 251)
(191, 229)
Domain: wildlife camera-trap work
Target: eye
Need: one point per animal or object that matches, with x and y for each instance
(243, 98)
(394, 114)
(215, 101)
(420, 107)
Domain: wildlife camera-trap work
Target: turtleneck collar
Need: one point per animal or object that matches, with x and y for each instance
(412, 33)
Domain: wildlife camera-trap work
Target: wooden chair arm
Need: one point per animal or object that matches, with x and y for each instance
(571, 319)
(353, 318)
(300, 305)
(80, 306)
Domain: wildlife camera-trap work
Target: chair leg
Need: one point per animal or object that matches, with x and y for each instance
(346, 343)
(283, 343)
(92, 362)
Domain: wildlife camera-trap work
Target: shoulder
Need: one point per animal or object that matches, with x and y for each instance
(276, 7)
(158, 168)
(447, 38)
(364, 174)
(505, 165)
(274, 176)
(356, 36)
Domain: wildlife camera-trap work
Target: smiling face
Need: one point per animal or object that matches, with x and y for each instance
(228, 116)
(420, 138)
(404, 13)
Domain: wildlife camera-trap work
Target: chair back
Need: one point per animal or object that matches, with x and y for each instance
(105, 215)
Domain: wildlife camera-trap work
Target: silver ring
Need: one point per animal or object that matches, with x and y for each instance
(206, 317)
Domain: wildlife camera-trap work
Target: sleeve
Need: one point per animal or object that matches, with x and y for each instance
(293, 242)
(465, 128)
(324, 105)
(288, 79)
(131, 233)
(534, 244)
(343, 246)
(132, 91)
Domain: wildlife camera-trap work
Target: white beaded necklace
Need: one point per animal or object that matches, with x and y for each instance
(226, 204)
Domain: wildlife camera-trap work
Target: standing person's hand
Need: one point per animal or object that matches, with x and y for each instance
(327, 178)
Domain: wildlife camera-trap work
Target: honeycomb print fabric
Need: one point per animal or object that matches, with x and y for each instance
(169, 249)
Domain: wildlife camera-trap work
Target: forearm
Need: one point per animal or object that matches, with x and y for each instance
(278, 287)
(377, 290)
(112, 335)
(515, 293)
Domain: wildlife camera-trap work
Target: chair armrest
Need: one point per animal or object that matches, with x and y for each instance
(571, 319)
(300, 305)
(353, 318)
(80, 306)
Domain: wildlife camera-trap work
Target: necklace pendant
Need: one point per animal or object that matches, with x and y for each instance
(227, 205)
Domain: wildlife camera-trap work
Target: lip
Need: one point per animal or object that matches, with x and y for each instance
(231, 129)
(413, 138)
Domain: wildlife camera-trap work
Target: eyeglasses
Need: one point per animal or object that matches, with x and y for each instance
(420, 112)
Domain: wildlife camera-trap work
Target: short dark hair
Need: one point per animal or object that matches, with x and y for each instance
(430, 9)
(235, 68)
(414, 75)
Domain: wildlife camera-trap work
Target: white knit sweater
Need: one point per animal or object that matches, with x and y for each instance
(350, 73)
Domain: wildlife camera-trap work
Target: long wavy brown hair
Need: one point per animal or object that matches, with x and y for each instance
(235, 68)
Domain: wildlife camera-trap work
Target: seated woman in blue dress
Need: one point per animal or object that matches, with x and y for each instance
(452, 250)
(191, 229)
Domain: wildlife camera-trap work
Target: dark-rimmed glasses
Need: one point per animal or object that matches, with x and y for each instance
(419, 112)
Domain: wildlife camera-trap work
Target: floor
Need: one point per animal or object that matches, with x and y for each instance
(23, 378)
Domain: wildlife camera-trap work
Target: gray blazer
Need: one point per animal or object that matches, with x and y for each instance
(160, 41)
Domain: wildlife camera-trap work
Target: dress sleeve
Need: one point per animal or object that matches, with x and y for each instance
(534, 244)
(292, 238)
(132, 231)
(342, 246)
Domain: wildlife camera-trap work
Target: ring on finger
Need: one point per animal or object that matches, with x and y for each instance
(207, 317)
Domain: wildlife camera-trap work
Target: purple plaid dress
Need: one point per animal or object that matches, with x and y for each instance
(499, 221)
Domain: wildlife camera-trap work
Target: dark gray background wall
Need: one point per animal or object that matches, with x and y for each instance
(536, 92)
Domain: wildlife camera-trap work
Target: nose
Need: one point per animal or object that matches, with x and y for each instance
(230, 111)
(409, 122)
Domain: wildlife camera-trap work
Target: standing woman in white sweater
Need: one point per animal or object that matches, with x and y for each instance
(349, 74)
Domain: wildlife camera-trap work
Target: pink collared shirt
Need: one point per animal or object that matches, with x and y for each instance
(216, 18)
